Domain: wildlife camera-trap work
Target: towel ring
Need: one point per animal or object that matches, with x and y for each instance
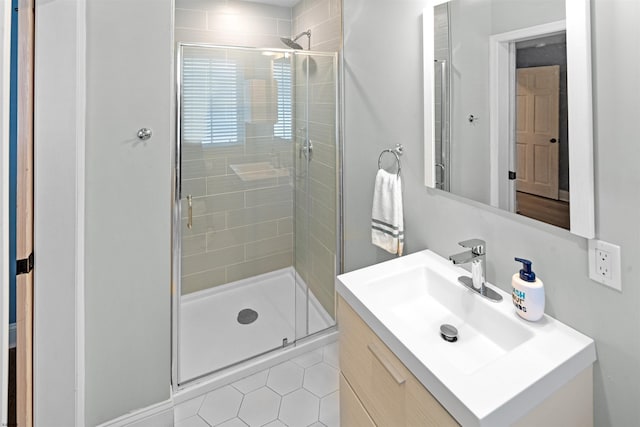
(397, 152)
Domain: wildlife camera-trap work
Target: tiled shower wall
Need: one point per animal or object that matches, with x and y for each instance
(324, 19)
(231, 23)
(316, 208)
(316, 248)
(240, 228)
(220, 248)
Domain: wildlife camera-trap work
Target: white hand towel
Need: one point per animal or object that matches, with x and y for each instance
(387, 223)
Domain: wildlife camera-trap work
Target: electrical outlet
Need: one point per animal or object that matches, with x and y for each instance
(604, 263)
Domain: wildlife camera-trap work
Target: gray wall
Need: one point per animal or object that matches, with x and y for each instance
(470, 28)
(384, 105)
(128, 206)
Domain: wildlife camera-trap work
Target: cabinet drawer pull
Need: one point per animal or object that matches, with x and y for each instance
(386, 363)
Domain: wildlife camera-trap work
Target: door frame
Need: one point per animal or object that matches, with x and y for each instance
(24, 213)
(59, 127)
(502, 89)
(5, 71)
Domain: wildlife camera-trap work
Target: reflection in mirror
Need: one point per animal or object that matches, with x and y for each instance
(502, 127)
(541, 143)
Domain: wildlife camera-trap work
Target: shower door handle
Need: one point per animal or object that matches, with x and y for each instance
(190, 214)
(306, 149)
(441, 182)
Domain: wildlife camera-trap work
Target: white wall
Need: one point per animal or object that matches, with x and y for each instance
(378, 113)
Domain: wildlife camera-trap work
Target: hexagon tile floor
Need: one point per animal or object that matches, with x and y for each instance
(300, 392)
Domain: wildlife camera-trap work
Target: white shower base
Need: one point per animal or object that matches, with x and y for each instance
(211, 338)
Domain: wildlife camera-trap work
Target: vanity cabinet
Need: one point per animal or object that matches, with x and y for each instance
(376, 382)
(376, 388)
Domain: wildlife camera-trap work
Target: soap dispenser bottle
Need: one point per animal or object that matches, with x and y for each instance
(528, 292)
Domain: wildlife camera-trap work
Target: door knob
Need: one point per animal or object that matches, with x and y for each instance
(553, 140)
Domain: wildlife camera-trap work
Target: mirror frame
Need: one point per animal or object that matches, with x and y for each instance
(579, 97)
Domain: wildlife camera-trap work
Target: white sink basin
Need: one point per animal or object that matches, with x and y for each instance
(500, 367)
(420, 300)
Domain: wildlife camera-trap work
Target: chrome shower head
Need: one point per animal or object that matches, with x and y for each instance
(292, 42)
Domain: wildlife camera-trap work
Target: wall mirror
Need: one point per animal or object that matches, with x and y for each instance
(508, 114)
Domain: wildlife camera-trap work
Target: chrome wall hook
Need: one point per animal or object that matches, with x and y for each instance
(144, 134)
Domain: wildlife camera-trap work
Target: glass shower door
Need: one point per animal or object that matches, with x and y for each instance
(256, 203)
(316, 195)
(236, 276)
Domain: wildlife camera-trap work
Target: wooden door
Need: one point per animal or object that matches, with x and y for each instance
(24, 215)
(537, 123)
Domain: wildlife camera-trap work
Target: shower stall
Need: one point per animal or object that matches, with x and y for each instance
(256, 209)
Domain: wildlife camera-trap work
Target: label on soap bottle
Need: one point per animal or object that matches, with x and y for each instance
(518, 297)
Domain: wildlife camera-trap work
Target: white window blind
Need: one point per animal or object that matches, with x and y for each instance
(282, 74)
(212, 112)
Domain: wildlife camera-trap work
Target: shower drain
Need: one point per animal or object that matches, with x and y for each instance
(247, 316)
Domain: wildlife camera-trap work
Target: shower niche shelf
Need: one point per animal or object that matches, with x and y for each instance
(257, 171)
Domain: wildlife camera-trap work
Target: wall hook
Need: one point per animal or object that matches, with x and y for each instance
(144, 134)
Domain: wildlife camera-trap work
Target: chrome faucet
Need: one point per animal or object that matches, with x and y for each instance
(477, 257)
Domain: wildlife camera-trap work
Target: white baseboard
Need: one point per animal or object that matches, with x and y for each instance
(153, 415)
(12, 335)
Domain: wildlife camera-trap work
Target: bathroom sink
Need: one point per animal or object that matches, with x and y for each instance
(421, 299)
(500, 364)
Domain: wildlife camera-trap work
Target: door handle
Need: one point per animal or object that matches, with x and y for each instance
(441, 166)
(553, 140)
(190, 219)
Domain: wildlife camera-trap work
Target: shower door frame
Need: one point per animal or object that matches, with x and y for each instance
(176, 210)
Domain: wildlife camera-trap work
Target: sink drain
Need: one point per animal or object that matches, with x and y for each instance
(247, 316)
(449, 333)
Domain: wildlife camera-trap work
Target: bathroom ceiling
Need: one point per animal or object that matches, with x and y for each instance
(285, 3)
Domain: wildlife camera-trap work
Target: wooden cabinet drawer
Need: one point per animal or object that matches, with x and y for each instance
(389, 392)
(352, 413)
